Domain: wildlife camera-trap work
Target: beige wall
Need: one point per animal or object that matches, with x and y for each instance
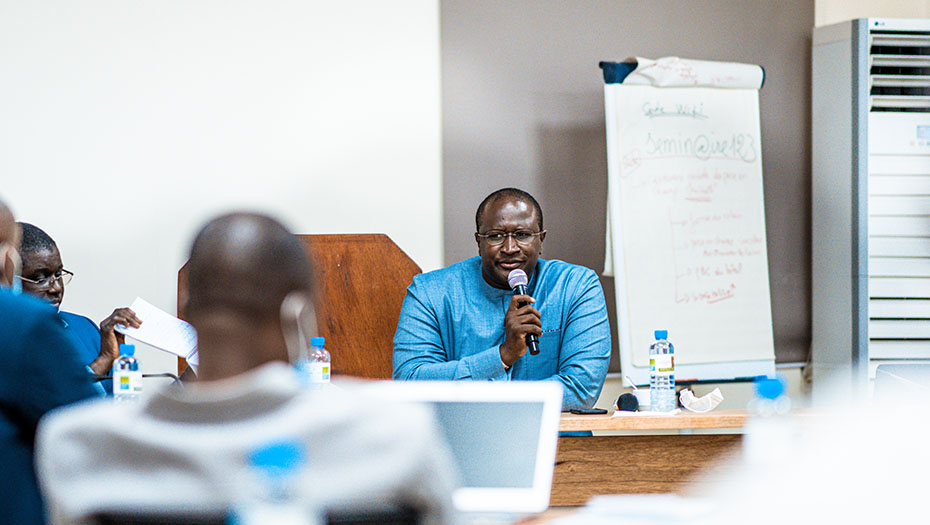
(828, 12)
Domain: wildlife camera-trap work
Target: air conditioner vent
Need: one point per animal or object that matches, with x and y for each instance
(899, 71)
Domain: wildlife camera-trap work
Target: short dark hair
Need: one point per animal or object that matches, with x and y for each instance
(246, 262)
(34, 239)
(508, 192)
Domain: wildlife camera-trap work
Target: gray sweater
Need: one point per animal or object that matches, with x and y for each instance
(186, 450)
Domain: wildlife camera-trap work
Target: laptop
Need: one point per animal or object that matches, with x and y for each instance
(502, 437)
(901, 383)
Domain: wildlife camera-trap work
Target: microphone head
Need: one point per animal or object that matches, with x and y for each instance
(516, 278)
(627, 402)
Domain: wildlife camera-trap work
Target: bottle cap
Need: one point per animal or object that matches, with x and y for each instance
(125, 349)
(770, 387)
(317, 341)
(661, 334)
(277, 459)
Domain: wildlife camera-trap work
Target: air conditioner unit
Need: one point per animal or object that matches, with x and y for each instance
(870, 199)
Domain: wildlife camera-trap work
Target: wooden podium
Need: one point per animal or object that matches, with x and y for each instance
(361, 281)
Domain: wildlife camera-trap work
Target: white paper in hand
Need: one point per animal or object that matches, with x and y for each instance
(161, 330)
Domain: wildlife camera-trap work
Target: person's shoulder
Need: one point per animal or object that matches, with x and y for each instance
(371, 400)
(70, 439)
(98, 407)
(25, 313)
(372, 416)
(90, 418)
(565, 270)
(77, 320)
(443, 278)
(23, 305)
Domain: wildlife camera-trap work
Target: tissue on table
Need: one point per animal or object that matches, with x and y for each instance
(704, 403)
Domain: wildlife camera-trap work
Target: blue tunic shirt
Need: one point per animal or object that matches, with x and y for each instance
(85, 333)
(41, 371)
(87, 337)
(452, 325)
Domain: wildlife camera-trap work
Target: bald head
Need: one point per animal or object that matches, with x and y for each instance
(245, 264)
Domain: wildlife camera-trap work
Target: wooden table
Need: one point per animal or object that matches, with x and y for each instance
(660, 455)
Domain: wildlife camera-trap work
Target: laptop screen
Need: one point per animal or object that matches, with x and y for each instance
(495, 444)
(502, 437)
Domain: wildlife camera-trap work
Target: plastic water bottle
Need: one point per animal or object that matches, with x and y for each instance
(771, 398)
(127, 378)
(277, 466)
(771, 437)
(313, 364)
(662, 373)
(320, 365)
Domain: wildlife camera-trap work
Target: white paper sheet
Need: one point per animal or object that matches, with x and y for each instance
(682, 72)
(162, 330)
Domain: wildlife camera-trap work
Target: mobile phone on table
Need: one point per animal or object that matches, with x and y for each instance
(588, 411)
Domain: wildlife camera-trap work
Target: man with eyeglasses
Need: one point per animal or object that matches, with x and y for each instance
(45, 277)
(464, 322)
(39, 371)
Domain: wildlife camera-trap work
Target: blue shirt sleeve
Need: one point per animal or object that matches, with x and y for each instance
(419, 352)
(86, 335)
(102, 392)
(585, 351)
(50, 373)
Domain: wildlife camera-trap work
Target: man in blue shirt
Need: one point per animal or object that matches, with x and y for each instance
(45, 277)
(464, 322)
(39, 371)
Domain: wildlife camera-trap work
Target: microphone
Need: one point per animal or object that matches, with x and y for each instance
(517, 281)
(628, 402)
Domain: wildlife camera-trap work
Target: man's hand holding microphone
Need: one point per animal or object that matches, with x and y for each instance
(522, 322)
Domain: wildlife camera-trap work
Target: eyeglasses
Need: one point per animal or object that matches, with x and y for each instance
(521, 236)
(45, 282)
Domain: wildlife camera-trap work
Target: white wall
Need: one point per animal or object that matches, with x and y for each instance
(828, 12)
(127, 123)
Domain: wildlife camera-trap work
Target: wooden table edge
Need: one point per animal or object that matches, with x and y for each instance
(735, 419)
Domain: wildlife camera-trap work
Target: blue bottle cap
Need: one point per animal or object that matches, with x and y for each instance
(125, 349)
(317, 341)
(661, 334)
(770, 387)
(279, 458)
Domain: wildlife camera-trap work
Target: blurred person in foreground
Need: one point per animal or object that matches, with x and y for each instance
(40, 371)
(854, 456)
(45, 277)
(186, 449)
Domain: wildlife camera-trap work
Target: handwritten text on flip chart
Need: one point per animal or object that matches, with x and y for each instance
(689, 192)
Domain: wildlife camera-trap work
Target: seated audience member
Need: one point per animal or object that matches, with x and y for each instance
(186, 449)
(45, 277)
(40, 371)
(464, 322)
